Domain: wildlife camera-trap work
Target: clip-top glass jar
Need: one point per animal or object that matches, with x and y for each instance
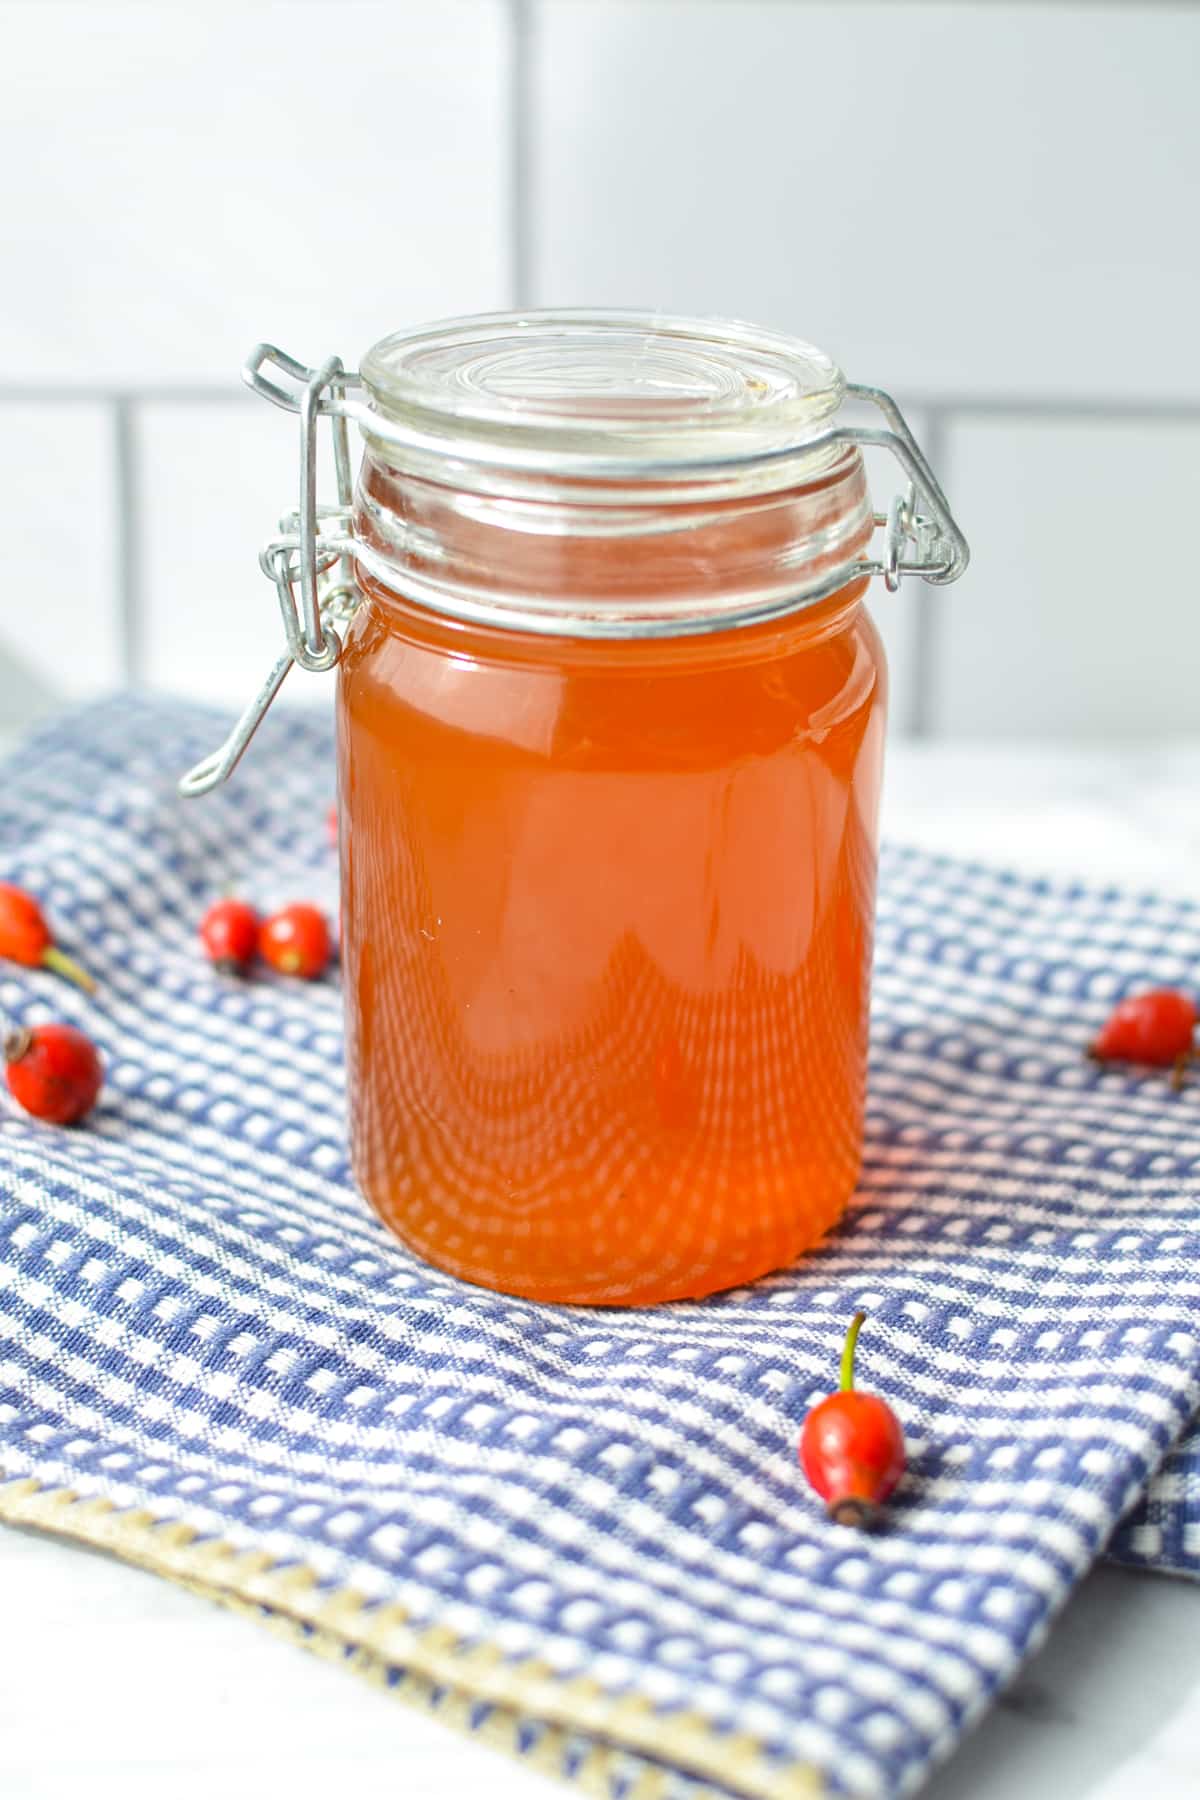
(610, 723)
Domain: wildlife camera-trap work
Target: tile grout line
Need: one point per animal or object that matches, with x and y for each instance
(958, 406)
(927, 609)
(86, 393)
(1115, 409)
(521, 152)
(127, 560)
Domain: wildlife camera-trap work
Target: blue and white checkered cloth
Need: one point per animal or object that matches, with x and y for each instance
(596, 1519)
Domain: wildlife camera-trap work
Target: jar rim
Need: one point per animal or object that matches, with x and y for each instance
(633, 388)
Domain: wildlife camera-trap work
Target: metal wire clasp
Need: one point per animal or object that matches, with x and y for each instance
(313, 551)
(940, 550)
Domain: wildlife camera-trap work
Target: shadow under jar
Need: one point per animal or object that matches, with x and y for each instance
(610, 735)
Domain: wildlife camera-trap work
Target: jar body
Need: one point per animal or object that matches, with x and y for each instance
(607, 913)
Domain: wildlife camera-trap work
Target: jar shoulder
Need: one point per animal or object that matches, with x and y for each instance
(684, 700)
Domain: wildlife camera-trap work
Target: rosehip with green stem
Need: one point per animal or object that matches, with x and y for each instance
(26, 938)
(852, 1446)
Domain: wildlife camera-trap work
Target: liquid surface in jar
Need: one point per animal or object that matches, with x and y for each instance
(607, 920)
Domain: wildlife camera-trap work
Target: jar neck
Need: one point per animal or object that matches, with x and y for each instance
(389, 615)
(642, 562)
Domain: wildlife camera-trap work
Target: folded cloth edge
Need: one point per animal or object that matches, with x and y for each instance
(339, 1624)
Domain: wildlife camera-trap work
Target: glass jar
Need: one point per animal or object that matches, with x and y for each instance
(610, 737)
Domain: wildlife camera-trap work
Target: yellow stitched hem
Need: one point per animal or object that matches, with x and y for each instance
(371, 1637)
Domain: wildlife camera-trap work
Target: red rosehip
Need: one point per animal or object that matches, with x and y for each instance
(852, 1446)
(229, 933)
(54, 1072)
(295, 940)
(1157, 1027)
(26, 938)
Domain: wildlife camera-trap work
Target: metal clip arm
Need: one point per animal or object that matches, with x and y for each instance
(304, 555)
(219, 765)
(289, 398)
(944, 553)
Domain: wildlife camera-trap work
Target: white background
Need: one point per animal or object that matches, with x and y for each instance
(989, 208)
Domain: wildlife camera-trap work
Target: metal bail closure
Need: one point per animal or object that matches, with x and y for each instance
(316, 548)
(941, 553)
(313, 550)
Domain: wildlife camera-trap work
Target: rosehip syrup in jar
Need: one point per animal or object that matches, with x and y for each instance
(611, 719)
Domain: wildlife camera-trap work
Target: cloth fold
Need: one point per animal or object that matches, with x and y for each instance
(586, 1532)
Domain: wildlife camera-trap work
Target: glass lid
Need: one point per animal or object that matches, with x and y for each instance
(615, 385)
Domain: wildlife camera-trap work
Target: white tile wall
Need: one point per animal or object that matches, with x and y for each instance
(947, 197)
(1080, 615)
(59, 630)
(955, 200)
(958, 200)
(182, 181)
(215, 480)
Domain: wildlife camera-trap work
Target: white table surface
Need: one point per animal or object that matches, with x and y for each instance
(115, 1685)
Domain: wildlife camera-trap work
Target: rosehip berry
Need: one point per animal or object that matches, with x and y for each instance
(54, 1072)
(26, 938)
(296, 940)
(229, 933)
(852, 1447)
(1157, 1027)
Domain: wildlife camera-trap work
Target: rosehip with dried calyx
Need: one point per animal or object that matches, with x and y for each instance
(26, 938)
(1157, 1027)
(53, 1071)
(229, 933)
(852, 1446)
(295, 940)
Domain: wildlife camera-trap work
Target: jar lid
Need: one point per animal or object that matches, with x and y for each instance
(604, 387)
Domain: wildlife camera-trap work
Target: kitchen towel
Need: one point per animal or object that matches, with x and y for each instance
(583, 1534)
